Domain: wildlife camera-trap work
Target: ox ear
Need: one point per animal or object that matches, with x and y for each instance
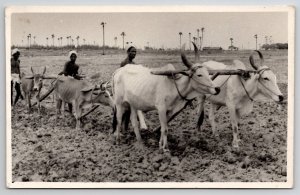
(95, 76)
(87, 89)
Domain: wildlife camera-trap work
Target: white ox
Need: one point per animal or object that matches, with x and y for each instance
(167, 91)
(238, 93)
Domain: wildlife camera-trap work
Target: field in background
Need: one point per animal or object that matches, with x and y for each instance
(44, 151)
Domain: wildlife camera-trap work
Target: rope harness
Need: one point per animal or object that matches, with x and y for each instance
(190, 77)
(260, 72)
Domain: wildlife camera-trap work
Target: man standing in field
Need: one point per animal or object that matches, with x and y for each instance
(15, 75)
(131, 53)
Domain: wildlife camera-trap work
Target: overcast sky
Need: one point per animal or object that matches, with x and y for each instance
(159, 29)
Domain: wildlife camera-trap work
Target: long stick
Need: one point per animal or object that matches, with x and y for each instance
(45, 95)
(91, 110)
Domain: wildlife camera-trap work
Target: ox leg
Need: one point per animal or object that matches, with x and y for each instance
(119, 115)
(234, 116)
(29, 102)
(212, 118)
(135, 125)
(77, 114)
(12, 92)
(38, 102)
(200, 112)
(58, 106)
(142, 120)
(164, 130)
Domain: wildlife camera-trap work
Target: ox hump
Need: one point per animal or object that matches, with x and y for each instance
(135, 69)
(237, 64)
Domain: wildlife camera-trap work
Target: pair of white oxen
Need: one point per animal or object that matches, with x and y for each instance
(167, 90)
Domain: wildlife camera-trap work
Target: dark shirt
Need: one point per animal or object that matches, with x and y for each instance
(15, 66)
(126, 61)
(71, 69)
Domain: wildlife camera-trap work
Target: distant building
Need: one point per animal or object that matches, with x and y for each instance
(233, 48)
(213, 49)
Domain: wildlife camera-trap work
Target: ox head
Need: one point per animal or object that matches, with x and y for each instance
(267, 83)
(198, 75)
(37, 79)
(98, 94)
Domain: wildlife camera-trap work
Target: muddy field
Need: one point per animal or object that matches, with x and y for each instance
(49, 152)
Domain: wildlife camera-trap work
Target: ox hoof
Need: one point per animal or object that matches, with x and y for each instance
(144, 129)
(139, 145)
(235, 147)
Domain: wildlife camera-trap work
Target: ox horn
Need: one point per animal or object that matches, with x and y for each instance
(252, 60)
(28, 77)
(31, 70)
(44, 70)
(197, 55)
(167, 72)
(184, 59)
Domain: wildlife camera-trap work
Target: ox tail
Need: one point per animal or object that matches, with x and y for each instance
(125, 117)
(200, 120)
(115, 122)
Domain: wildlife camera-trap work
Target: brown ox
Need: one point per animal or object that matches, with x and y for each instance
(81, 94)
(31, 85)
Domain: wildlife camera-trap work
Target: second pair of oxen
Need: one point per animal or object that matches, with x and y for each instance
(145, 89)
(80, 94)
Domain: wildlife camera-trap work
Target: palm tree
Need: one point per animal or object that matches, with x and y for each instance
(103, 24)
(47, 40)
(34, 40)
(202, 39)
(231, 43)
(180, 34)
(53, 39)
(198, 30)
(29, 40)
(255, 36)
(83, 41)
(67, 37)
(72, 41)
(190, 40)
(116, 39)
(195, 39)
(77, 38)
(266, 38)
(123, 35)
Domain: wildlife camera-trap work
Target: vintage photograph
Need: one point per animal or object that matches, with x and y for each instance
(150, 97)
